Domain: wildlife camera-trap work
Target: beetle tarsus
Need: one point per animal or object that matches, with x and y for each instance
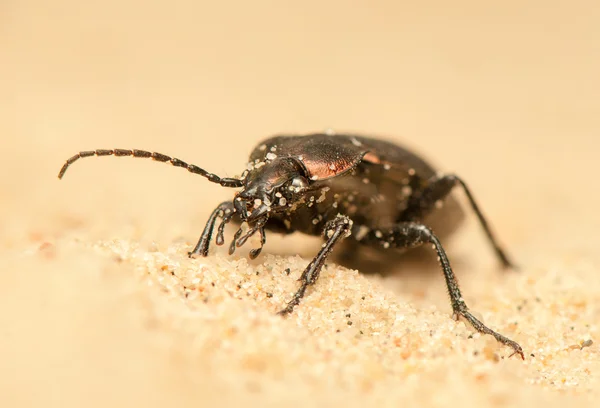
(482, 328)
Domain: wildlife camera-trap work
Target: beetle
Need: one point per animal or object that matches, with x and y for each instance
(369, 190)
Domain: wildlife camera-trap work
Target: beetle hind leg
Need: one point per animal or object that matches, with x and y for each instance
(411, 235)
(423, 200)
(335, 230)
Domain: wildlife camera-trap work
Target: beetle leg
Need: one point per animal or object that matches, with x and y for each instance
(410, 235)
(334, 231)
(224, 210)
(437, 188)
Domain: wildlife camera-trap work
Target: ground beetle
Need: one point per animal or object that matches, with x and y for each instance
(340, 186)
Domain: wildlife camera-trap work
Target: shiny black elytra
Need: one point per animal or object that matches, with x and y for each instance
(340, 186)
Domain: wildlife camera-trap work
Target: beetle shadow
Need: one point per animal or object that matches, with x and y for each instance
(373, 261)
(420, 261)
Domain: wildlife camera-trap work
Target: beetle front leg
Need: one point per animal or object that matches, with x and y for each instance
(437, 188)
(224, 210)
(334, 231)
(410, 235)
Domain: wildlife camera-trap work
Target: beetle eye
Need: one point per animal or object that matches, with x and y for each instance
(299, 183)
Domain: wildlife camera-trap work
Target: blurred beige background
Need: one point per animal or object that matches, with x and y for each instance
(505, 95)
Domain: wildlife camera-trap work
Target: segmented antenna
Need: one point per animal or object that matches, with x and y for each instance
(225, 182)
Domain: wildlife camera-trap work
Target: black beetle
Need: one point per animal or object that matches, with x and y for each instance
(339, 186)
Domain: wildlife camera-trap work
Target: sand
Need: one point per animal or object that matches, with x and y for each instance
(99, 303)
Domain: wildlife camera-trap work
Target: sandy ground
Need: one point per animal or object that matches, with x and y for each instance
(99, 305)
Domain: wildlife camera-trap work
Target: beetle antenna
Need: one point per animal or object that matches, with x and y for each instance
(225, 182)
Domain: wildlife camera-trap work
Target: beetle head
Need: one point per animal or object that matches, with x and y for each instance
(271, 187)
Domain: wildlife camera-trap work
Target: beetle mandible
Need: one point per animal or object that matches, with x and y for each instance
(339, 186)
